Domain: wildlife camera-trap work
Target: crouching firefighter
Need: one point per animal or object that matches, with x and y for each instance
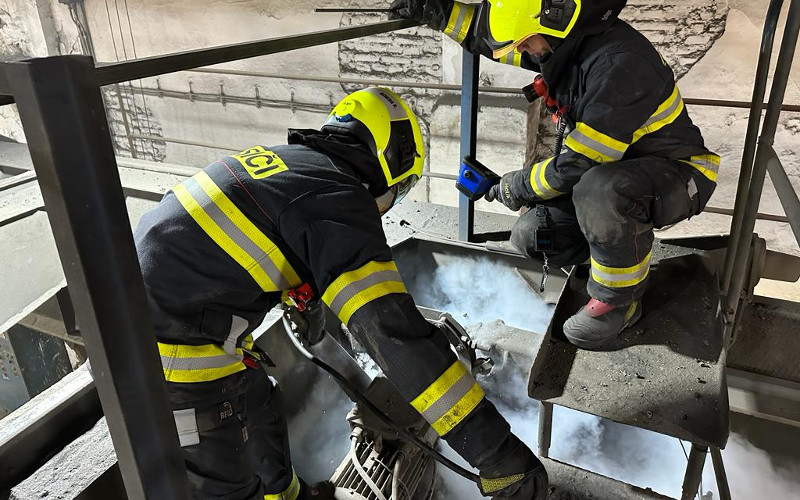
(221, 247)
(633, 160)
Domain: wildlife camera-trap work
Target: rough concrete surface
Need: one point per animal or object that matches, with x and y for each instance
(73, 469)
(43, 403)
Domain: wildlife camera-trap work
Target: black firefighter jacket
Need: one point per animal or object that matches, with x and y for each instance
(621, 98)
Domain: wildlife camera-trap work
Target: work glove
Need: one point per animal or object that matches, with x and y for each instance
(434, 13)
(309, 324)
(502, 193)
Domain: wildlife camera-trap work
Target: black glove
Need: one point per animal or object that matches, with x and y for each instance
(502, 192)
(310, 324)
(434, 13)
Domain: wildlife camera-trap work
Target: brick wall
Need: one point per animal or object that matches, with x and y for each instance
(135, 117)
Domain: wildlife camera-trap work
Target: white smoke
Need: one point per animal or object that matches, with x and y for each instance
(480, 290)
(319, 435)
(476, 291)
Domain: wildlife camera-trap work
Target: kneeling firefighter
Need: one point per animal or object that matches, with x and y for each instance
(633, 160)
(221, 247)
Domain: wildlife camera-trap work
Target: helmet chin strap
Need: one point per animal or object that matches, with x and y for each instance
(386, 201)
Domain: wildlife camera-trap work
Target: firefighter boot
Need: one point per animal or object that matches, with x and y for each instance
(520, 476)
(598, 323)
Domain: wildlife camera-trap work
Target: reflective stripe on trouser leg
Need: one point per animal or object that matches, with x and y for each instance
(353, 289)
(290, 493)
(621, 277)
(449, 399)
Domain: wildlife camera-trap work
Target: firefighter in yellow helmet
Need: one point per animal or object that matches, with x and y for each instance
(220, 249)
(632, 158)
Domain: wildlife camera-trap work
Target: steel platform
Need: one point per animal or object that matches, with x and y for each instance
(666, 374)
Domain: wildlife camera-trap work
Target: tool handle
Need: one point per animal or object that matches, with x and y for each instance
(383, 417)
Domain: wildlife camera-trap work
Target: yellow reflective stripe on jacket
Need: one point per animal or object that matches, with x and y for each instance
(539, 183)
(667, 112)
(235, 233)
(621, 277)
(353, 289)
(449, 399)
(708, 165)
(290, 493)
(595, 145)
(459, 21)
(513, 58)
(198, 363)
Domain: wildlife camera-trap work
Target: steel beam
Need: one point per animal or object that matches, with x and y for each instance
(545, 428)
(694, 472)
(134, 69)
(751, 138)
(739, 253)
(62, 112)
(786, 193)
(719, 471)
(470, 69)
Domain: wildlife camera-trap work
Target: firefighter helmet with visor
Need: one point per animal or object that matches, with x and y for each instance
(506, 24)
(385, 123)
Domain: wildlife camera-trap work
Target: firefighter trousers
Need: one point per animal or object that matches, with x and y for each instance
(234, 438)
(609, 218)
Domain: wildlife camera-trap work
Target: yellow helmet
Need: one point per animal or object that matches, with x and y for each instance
(507, 23)
(382, 120)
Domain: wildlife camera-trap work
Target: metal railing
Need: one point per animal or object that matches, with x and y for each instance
(758, 158)
(63, 115)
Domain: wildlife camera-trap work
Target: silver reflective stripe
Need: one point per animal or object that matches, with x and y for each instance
(542, 190)
(372, 279)
(232, 230)
(449, 399)
(199, 363)
(238, 326)
(705, 164)
(656, 118)
(460, 23)
(623, 280)
(510, 58)
(601, 148)
(186, 423)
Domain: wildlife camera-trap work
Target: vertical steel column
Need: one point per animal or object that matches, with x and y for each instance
(470, 69)
(719, 471)
(65, 123)
(765, 141)
(694, 472)
(751, 139)
(545, 428)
